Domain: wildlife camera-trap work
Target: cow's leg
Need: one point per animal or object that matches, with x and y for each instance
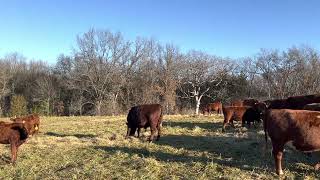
(225, 122)
(153, 131)
(128, 132)
(14, 150)
(139, 132)
(277, 151)
(231, 122)
(159, 132)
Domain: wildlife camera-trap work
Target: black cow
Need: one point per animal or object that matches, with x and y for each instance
(143, 116)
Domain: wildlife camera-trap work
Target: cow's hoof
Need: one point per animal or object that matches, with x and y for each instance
(280, 173)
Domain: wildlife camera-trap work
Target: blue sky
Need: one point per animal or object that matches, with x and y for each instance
(235, 28)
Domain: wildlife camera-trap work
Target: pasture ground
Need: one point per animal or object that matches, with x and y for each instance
(190, 148)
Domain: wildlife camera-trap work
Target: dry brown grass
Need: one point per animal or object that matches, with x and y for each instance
(191, 148)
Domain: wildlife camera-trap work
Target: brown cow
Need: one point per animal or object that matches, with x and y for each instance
(14, 134)
(143, 116)
(302, 127)
(32, 123)
(231, 113)
(213, 107)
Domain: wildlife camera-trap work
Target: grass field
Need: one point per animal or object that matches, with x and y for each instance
(190, 148)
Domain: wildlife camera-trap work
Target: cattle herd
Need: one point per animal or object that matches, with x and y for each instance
(295, 119)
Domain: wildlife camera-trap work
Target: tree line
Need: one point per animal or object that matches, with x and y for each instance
(106, 74)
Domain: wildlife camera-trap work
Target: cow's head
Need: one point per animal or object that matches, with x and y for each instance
(260, 108)
(131, 130)
(31, 122)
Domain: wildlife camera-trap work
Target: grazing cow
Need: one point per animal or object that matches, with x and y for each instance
(312, 107)
(301, 127)
(14, 134)
(32, 123)
(213, 107)
(143, 116)
(232, 113)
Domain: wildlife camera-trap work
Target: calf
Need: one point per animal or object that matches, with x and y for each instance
(14, 134)
(299, 126)
(32, 123)
(143, 116)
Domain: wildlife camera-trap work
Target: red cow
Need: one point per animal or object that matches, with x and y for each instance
(299, 126)
(232, 113)
(143, 116)
(14, 134)
(213, 107)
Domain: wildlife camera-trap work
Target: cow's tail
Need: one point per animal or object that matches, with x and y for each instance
(161, 117)
(22, 130)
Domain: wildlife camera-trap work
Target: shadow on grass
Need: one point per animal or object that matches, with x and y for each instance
(75, 135)
(191, 125)
(160, 156)
(4, 160)
(242, 153)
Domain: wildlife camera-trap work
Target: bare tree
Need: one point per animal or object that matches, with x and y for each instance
(97, 66)
(199, 70)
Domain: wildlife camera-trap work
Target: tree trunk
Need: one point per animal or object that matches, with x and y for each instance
(48, 106)
(98, 108)
(197, 104)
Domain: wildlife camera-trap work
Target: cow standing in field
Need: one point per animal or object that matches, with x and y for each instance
(301, 127)
(14, 134)
(233, 113)
(247, 111)
(143, 116)
(213, 107)
(32, 123)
